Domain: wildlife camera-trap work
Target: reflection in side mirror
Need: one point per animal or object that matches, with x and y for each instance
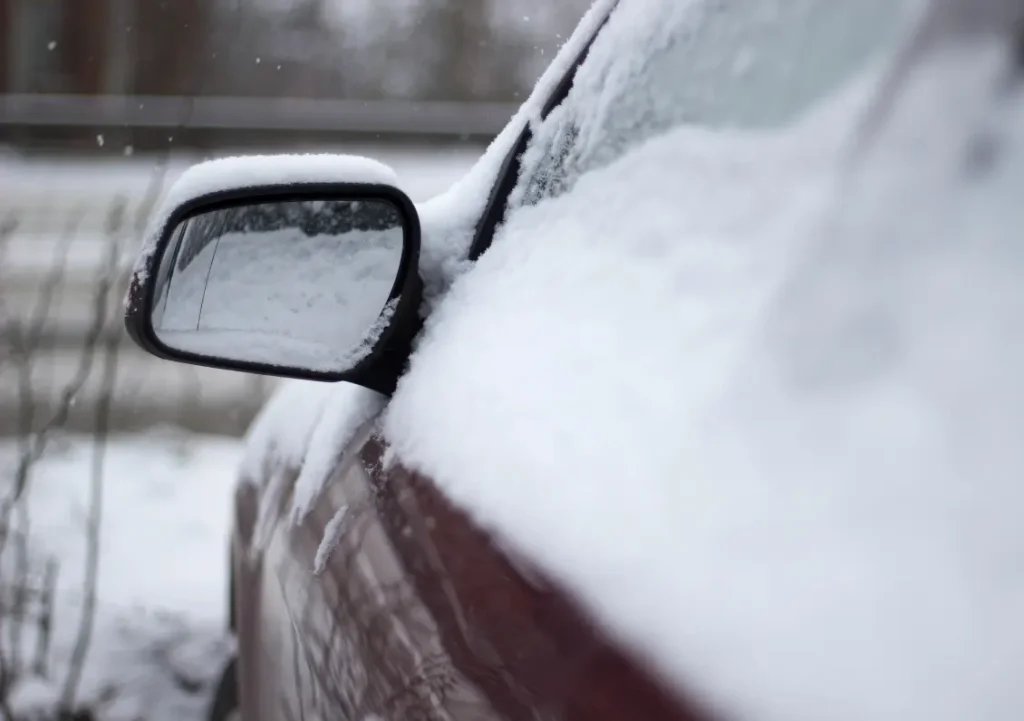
(314, 280)
(300, 284)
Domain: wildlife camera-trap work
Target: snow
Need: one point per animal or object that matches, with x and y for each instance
(332, 537)
(345, 414)
(781, 459)
(161, 631)
(257, 346)
(565, 347)
(270, 296)
(370, 337)
(281, 436)
(644, 77)
(309, 426)
(448, 221)
(33, 698)
(254, 170)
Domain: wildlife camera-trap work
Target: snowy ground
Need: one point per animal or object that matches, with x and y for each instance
(159, 640)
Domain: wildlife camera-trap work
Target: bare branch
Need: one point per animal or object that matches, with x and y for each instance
(24, 342)
(41, 438)
(7, 228)
(50, 287)
(44, 631)
(83, 639)
(18, 586)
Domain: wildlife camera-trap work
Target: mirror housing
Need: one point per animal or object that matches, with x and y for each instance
(235, 308)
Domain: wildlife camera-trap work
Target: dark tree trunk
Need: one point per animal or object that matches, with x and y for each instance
(6, 43)
(84, 44)
(169, 46)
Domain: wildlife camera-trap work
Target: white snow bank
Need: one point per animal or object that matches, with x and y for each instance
(248, 171)
(161, 633)
(782, 461)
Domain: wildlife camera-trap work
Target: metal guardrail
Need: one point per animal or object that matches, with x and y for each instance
(266, 114)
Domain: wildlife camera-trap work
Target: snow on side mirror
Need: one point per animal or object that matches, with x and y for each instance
(306, 278)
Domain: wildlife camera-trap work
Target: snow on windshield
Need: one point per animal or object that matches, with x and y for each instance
(714, 64)
(780, 459)
(448, 221)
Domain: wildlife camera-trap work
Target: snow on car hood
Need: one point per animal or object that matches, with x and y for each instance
(780, 458)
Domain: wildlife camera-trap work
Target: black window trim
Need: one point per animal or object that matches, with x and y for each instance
(497, 203)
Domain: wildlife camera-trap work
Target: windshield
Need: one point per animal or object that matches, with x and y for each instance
(710, 63)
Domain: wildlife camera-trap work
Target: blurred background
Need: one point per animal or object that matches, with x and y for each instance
(117, 469)
(104, 102)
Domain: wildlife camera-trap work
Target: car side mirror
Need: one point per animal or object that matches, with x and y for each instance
(315, 280)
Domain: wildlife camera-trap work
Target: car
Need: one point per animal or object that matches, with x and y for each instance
(699, 397)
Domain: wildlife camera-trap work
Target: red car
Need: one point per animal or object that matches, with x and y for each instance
(698, 398)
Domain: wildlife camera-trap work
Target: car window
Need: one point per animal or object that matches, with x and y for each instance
(710, 63)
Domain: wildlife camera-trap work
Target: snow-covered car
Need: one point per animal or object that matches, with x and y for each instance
(700, 396)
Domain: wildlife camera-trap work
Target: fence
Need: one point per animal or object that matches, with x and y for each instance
(285, 115)
(155, 123)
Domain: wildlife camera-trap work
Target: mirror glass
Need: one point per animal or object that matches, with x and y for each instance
(299, 284)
